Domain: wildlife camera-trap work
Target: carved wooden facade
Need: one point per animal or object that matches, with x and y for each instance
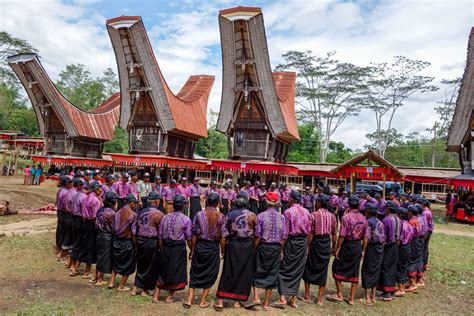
(158, 122)
(257, 108)
(67, 129)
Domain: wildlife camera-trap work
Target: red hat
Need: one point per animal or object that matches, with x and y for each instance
(272, 196)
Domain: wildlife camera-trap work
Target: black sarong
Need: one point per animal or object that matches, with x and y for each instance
(253, 206)
(104, 252)
(88, 252)
(292, 266)
(419, 265)
(237, 273)
(173, 272)
(205, 265)
(388, 272)
(124, 256)
(416, 246)
(284, 206)
(404, 254)
(263, 206)
(60, 229)
(147, 273)
(372, 265)
(76, 229)
(346, 268)
(426, 251)
(195, 206)
(267, 266)
(317, 263)
(225, 206)
(67, 232)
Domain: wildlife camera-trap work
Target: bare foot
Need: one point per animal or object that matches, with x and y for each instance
(204, 305)
(237, 305)
(169, 299)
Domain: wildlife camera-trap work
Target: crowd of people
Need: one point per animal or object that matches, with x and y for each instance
(32, 174)
(268, 239)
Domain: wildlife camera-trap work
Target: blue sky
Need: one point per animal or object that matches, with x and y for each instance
(185, 38)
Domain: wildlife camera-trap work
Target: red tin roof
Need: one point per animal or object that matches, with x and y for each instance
(240, 9)
(285, 88)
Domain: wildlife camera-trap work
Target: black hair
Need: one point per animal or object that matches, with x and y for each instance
(242, 202)
(353, 204)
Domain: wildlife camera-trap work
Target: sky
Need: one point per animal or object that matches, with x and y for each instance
(185, 38)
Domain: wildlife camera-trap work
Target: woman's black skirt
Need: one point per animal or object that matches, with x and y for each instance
(195, 206)
(346, 268)
(76, 229)
(416, 246)
(317, 263)
(205, 265)
(419, 266)
(147, 272)
(173, 272)
(60, 229)
(267, 266)
(388, 272)
(104, 252)
(371, 265)
(426, 251)
(254, 206)
(225, 206)
(404, 254)
(67, 232)
(88, 253)
(123, 256)
(293, 265)
(237, 273)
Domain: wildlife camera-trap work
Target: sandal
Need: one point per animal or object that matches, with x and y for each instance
(349, 302)
(123, 289)
(365, 302)
(252, 304)
(218, 308)
(303, 299)
(333, 298)
(278, 305)
(206, 305)
(186, 305)
(74, 273)
(265, 308)
(292, 304)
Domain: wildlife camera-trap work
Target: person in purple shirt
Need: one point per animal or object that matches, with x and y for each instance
(67, 239)
(195, 193)
(298, 222)
(233, 196)
(364, 199)
(322, 240)
(209, 233)
(123, 249)
(182, 188)
(416, 248)
(237, 274)
(66, 185)
(169, 193)
(285, 197)
(145, 229)
(373, 254)
(262, 198)
(158, 187)
(175, 232)
(343, 205)
(349, 251)
(270, 235)
(76, 223)
(108, 185)
(307, 200)
(388, 272)
(121, 187)
(104, 224)
(253, 197)
(429, 220)
(226, 195)
(333, 205)
(90, 206)
(404, 252)
(381, 206)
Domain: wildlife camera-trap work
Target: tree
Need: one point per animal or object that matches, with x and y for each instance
(391, 137)
(338, 153)
(445, 109)
(110, 81)
(78, 86)
(389, 86)
(329, 92)
(215, 145)
(119, 143)
(306, 150)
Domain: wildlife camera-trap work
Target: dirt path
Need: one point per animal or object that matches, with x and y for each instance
(35, 226)
(453, 232)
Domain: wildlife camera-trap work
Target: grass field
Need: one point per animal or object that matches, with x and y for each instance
(33, 282)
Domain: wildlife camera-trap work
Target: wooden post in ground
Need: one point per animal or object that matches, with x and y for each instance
(353, 186)
(384, 184)
(413, 187)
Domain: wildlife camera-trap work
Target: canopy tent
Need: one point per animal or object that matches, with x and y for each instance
(73, 161)
(254, 167)
(158, 161)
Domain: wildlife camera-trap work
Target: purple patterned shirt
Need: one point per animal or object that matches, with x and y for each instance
(253, 193)
(195, 191)
(285, 194)
(104, 220)
(241, 223)
(124, 221)
(60, 198)
(232, 195)
(333, 200)
(343, 203)
(323, 222)
(209, 191)
(298, 220)
(121, 188)
(90, 206)
(393, 228)
(148, 223)
(183, 190)
(381, 205)
(107, 188)
(423, 226)
(168, 193)
(407, 233)
(416, 226)
(133, 188)
(429, 218)
(158, 188)
(375, 230)
(175, 226)
(225, 194)
(262, 194)
(68, 198)
(307, 201)
(271, 226)
(353, 226)
(76, 203)
(363, 202)
(203, 230)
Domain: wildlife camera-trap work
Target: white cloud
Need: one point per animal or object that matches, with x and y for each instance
(186, 41)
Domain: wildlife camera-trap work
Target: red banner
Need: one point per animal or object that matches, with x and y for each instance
(157, 161)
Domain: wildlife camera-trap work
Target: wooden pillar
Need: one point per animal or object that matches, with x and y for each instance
(313, 185)
(413, 187)
(353, 186)
(384, 184)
